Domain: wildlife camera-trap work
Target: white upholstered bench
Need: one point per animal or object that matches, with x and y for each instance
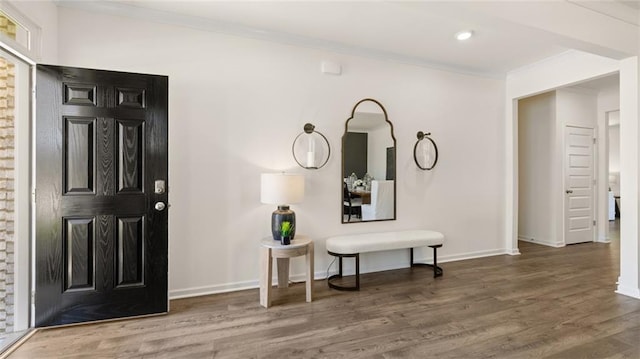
(352, 245)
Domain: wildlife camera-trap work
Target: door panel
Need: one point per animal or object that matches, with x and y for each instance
(79, 94)
(79, 144)
(576, 203)
(79, 244)
(579, 182)
(579, 175)
(130, 134)
(130, 249)
(101, 247)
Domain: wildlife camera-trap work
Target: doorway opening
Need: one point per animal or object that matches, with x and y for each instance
(545, 188)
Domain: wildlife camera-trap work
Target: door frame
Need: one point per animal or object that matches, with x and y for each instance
(29, 54)
(23, 189)
(594, 178)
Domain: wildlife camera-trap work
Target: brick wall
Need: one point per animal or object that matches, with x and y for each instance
(6, 195)
(6, 185)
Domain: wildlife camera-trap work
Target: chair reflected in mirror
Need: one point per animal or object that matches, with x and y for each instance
(351, 205)
(382, 203)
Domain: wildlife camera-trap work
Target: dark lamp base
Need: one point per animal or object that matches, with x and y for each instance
(282, 214)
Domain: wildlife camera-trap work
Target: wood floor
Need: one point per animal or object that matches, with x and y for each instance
(546, 303)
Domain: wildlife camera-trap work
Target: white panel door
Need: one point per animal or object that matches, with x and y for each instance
(579, 186)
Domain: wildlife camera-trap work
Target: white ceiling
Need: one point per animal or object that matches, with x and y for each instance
(420, 32)
(635, 4)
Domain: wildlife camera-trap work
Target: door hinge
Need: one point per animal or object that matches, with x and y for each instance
(33, 297)
(594, 140)
(594, 222)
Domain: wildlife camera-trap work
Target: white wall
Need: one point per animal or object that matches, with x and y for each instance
(537, 218)
(577, 108)
(237, 104)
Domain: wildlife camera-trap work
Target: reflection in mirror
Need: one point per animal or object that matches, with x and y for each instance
(368, 165)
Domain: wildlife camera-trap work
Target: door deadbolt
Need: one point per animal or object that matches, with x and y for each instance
(159, 187)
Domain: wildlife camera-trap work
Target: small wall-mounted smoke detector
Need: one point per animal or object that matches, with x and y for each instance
(331, 68)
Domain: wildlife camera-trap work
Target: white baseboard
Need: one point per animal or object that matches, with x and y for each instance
(441, 259)
(212, 289)
(321, 275)
(464, 256)
(541, 241)
(628, 291)
(514, 252)
(238, 286)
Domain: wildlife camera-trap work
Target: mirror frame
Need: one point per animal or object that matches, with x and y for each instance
(395, 161)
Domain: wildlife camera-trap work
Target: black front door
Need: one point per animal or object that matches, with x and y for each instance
(101, 164)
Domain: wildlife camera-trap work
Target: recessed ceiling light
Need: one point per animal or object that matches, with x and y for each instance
(464, 35)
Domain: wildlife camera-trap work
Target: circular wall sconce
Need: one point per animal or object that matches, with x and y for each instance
(425, 151)
(311, 149)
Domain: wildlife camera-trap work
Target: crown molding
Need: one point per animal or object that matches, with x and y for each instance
(233, 29)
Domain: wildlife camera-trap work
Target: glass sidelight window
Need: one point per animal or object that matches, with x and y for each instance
(19, 47)
(14, 197)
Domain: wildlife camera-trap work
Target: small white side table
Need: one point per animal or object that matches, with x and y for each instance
(300, 246)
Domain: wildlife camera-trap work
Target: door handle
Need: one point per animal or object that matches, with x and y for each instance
(160, 206)
(569, 191)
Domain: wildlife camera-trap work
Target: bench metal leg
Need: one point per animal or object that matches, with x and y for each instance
(437, 271)
(339, 275)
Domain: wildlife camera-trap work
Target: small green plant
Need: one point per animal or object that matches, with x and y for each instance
(286, 229)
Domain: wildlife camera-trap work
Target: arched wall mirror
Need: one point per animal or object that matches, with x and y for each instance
(368, 165)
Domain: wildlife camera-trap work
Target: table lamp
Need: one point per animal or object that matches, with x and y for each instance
(282, 189)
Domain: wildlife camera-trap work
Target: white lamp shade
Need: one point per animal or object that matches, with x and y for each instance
(281, 188)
